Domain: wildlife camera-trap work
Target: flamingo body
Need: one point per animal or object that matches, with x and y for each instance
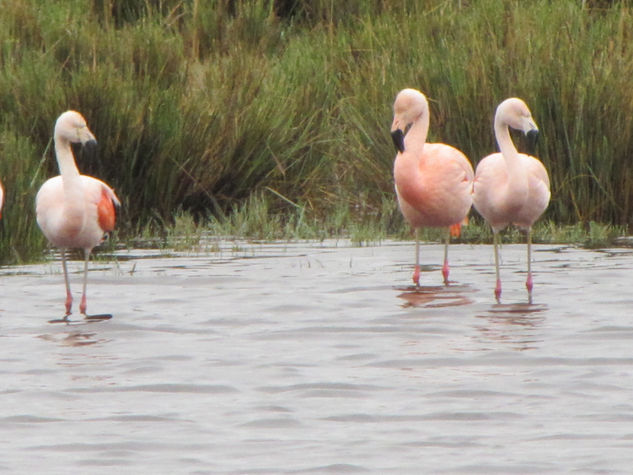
(498, 204)
(83, 230)
(440, 195)
(511, 187)
(74, 210)
(433, 181)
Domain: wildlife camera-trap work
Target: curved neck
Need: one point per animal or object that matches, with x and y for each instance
(509, 152)
(65, 159)
(407, 173)
(416, 137)
(73, 206)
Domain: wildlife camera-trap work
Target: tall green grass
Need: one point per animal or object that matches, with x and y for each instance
(200, 106)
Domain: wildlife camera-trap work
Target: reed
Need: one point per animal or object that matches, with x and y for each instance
(202, 108)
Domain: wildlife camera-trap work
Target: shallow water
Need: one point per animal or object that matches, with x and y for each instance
(321, 358)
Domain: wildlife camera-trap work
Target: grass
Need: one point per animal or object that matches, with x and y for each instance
(270, 118)
(257, 220)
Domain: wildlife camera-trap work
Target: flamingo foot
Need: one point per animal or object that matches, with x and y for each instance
(416, 275)
(83, 305)
(64, 319)
(529, 284)
(498, 291)
(69, 304)
(445, 271)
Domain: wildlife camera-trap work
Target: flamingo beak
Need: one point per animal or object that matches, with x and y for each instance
(397, 135)
(398, 139)
(91, 147)
(88, 150)
(532, 138)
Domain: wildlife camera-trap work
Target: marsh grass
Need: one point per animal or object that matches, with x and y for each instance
(258, 219)
(203, 108)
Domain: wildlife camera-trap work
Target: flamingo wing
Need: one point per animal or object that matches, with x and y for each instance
(103, 198)
(538, 189)
(446, 188)
(491, 179)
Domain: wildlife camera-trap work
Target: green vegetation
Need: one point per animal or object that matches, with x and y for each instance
(271, 117)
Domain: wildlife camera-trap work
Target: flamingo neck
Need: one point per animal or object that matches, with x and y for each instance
(407, 164)
(65, 159)
(74, 208)
(416, 137)
(517, 179)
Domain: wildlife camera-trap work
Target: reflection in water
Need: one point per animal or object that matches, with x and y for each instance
(81, 365)
(75, 338)
(435, 296)
(515, 324)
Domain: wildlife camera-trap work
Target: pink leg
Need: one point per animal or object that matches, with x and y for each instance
(498, 290)
(445, 268)
(495, 239)
(69, 295)
(83, 305)
(416, 275)
(528, 283)
(69, 303)
(445, 271)
(416, 270)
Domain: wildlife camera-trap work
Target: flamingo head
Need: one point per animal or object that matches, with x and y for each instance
(516, 114)
(410, 105)
(72, 127)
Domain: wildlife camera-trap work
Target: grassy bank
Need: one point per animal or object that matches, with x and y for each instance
(202, 108)
(257, 219)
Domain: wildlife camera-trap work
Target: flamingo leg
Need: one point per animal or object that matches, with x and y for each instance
(495, 238)
(83, 305)
(445, 268)
(69, 295)
(416, 270)
(528, 283)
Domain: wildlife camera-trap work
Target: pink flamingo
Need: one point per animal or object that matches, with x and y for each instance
(73, 210)
(511, 187)
(433, 180)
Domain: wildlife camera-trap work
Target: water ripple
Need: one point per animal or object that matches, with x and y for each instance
(320, 358)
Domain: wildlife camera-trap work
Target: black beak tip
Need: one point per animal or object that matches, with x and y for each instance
(398, 140)
(90, 148)
(532, 138)
(91, 144)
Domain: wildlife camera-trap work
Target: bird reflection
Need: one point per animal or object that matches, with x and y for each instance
(75, 338)
(435, 296)
(516, 324)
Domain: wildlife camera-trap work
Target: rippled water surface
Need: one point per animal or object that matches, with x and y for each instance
(320, 357)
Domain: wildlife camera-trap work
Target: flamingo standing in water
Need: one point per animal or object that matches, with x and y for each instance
(73, 210)
(511, 187)
(433, 181)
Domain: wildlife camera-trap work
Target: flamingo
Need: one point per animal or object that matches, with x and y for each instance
(511, 187)
(74, 210)
(433, 181)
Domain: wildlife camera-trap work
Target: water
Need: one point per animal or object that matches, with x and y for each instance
(320, 358)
